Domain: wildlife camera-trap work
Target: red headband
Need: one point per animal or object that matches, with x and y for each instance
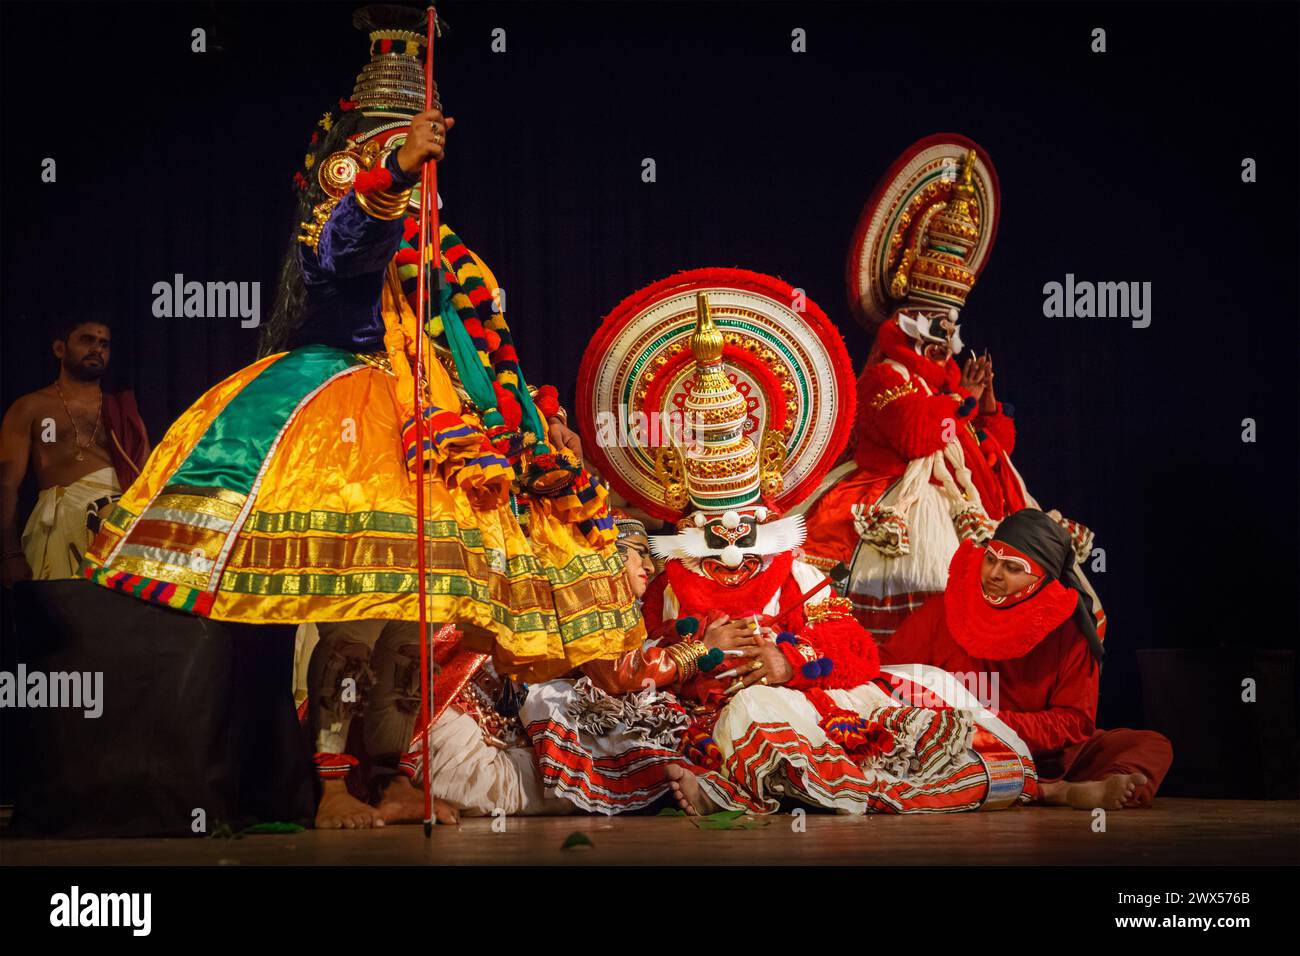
(1005, 552)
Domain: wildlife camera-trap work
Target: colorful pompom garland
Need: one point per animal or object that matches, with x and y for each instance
(700, 748)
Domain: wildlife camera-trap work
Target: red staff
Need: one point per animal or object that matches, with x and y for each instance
(428, 227)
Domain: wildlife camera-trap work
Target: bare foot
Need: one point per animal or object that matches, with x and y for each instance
(686, 789)
(339, 810)
(1139, 799)
(1113, 793)
(403, 802)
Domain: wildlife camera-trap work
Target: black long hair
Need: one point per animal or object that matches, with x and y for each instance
(289, 311)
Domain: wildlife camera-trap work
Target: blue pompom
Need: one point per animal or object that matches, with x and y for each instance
(1008, 410)
(785, 637)
(967, 406)
(687, 626)
(826, 665)
(811, 670)
(981, 434)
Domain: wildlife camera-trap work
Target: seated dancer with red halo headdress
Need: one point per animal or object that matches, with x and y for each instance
(932, 461)
(288, 493)
(756, 683)
(1014, 609)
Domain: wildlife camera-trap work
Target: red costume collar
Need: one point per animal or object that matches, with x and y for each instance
(697, 594)
(999, 633)
(893, 343)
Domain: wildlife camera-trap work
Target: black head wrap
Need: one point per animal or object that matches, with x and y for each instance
(1033, 533)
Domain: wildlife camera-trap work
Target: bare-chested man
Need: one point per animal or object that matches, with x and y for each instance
(83, 445)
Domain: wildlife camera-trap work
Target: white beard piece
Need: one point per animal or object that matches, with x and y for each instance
(775, 537)
(918, 330)
(914, 328)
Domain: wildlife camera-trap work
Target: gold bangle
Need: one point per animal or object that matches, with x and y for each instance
(687, 665)
(385, 205)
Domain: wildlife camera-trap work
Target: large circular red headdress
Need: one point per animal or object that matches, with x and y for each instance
(781, 353)
(909, 248)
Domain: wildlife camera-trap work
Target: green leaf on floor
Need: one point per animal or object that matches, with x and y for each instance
(671, 812)
(575, 839)
(271, 827)
(729, 820)
(222, 831)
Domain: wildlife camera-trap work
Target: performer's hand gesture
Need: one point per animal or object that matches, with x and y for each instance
(763, 664)
(988, 403)
(972, 377)
(425, 141)
(729, 635)
(562, 436)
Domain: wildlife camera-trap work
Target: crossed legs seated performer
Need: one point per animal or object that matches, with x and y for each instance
(756, 684)
(1014, 611)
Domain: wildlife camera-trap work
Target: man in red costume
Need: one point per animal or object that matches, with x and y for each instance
(1011, 611)
(932, 463)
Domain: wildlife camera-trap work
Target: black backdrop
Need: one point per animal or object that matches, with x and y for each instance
(1122, 166)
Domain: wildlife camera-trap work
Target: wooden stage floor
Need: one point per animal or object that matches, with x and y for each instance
(1174, 832)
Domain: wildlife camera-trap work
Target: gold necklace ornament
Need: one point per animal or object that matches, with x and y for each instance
(76, 432)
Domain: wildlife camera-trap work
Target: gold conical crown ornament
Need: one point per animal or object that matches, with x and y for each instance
(935, 270)
(721, 463)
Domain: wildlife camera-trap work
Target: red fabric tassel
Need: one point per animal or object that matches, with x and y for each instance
(700, 748)
(860, 738)
(346, 105)
(547, 400)
(508, 406)
(796, 660)
(373, 180)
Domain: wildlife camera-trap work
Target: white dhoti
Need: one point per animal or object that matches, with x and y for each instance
(951, 756)
(60, 528)
(481, 779)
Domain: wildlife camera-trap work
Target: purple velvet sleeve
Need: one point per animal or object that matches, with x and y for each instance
(354, 242)
(344, 275)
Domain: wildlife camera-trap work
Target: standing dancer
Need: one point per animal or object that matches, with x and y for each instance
(288, 492)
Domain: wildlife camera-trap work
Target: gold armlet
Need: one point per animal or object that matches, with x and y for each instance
(385, 205)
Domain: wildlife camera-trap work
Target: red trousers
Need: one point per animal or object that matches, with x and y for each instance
(1109, 752)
